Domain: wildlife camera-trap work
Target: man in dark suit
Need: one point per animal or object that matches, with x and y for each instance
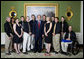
(39, 32)
(9, 36)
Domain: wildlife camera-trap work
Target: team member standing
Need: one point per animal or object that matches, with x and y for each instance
(9, 36)
(26, 36)
(64, 27)
(33, 30)
(48, 35)
(22, 25)
(12, 23)
(56, 35)
(43, 41)
(17, 36)
(53, 22)
(44, 21)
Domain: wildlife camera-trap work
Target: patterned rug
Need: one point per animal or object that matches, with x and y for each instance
(41, 55)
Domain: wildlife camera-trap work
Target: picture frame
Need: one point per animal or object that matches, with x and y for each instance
(39, 7)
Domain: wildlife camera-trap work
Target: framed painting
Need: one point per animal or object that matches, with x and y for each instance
(49, 9)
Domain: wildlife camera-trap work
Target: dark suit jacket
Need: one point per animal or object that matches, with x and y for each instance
(21, 22)
(65, 28)
(72, 35)
(7, 28)
(53, 22)
(57, 30)
(33, 26)
(40, 31)
(43, 25)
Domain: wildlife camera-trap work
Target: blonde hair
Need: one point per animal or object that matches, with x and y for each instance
(49, 19)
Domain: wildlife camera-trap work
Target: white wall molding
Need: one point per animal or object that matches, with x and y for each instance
(3, 37)
(81, 23)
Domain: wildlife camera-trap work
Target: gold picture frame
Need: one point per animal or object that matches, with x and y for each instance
(41, 5)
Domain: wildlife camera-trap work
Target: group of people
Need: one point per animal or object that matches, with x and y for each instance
(34, 34)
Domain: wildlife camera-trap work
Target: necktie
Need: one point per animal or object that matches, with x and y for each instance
(54, 28)
(39, 25)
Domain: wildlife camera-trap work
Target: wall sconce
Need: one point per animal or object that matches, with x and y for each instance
(13, 13)
(69, 13)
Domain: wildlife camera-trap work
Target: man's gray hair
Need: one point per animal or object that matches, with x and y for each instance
(7, 17)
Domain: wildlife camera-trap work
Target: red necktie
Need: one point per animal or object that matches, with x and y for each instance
(39, 25)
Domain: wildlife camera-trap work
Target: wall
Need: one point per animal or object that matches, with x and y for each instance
(81, 36)
(19, 6)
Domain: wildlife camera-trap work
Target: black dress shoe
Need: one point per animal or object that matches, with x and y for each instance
(62, 52)
(56, 52)
(35, 51)
(13, 50)
(65, 53)
(28, 51)
(25, 53)
(39, 51)
(32, 49)
(8, 53)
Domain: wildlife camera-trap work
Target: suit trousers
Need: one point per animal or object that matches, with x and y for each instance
(38, 43)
